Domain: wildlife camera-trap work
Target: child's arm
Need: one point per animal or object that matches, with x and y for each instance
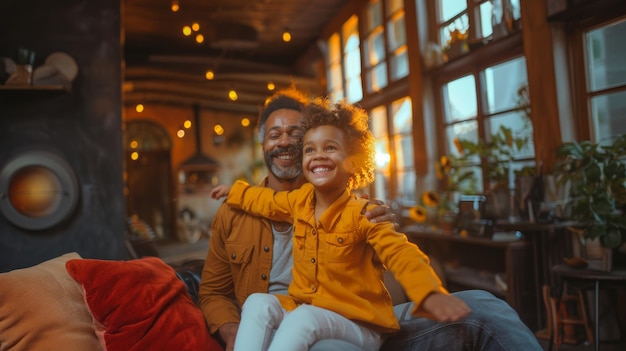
(443, 308)
(220, 191)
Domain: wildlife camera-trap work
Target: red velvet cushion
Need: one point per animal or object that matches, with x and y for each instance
(141, 305)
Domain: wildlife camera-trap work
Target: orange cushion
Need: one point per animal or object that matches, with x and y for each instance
(42, 308)
(141, 305)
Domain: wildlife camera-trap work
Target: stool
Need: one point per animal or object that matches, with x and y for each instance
(567, 310)
(569, 274)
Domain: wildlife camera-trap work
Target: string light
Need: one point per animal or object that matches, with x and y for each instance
(187, 124)
(271, 86)
(175, 6)
(233, 95)
(139, 108)
(199, 38)
(187, 31)
(195, 26)
(286, 36)
(180, 134)
(209, 75)
(218, 129)
(245, 122)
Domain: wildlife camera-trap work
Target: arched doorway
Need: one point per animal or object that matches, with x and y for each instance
(147, 148)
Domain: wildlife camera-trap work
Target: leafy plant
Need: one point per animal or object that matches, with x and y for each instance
(597, 175)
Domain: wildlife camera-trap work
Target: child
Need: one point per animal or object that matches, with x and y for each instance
(337, 290)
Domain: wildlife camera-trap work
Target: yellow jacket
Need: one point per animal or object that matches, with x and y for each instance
(238, 264)
(335, 259)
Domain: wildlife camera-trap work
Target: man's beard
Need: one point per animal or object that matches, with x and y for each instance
(290, 173)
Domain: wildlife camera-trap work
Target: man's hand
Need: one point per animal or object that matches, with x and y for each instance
(444, 308)
(228, 332)
(381, 213)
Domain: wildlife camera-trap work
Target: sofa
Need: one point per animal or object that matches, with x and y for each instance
(72, 303)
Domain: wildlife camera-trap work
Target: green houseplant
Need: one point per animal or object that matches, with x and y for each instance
(596, 173)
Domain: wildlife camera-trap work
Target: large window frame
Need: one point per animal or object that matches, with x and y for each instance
(583, 92)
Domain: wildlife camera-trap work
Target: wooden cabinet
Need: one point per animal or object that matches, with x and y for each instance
(504, 268)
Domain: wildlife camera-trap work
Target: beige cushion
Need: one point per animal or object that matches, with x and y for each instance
(42, 308)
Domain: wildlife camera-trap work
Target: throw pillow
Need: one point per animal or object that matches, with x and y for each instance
(42, 308)
(140, 305)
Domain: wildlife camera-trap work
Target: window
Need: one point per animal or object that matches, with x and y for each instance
(384, 47)
(478, 108)
(344, 63)
(395, 175)
(605, 67)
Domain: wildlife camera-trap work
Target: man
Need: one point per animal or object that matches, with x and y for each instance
(248, 254)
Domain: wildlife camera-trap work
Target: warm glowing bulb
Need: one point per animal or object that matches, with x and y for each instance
(271, 86)
(286, 36)
(134, 156)
(187, 124)
(195, 26)
(209, 75)
(233, 95)
(218, 129)
(245, 122)
(187, 31)
(175, 6)
(180, 134)
(139, 108)
(134, 144)
(199, 38)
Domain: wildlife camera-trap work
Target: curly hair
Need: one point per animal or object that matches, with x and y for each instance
(354, 122)
(290, 99)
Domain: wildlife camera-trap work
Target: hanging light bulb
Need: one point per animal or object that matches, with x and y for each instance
(187, 31)
(286, 35)
(199, 38)
(139, 108)
(180, 134)
(218, 129)
(175, 6)
(245, 122)
(195, 26)
(187, 124)
(209, 75)
(271, 86)
(233, 95)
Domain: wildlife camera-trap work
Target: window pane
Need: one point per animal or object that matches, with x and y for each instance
(406, 191)
(502, 83)
(460, 99)
(402, 116)
(377, 78)
(465, 131)
(374, 48)
(354, 89)
(403, 147)
(450, 8)
(378, 117)
(399, 65)
(522, 132)
(486, 23)
(608, 113)
(334, 49)
(606, 56)
(395, 32)
(374, 16)
(381, 186)
(394, 5)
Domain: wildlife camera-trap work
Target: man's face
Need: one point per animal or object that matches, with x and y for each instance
(283, 133)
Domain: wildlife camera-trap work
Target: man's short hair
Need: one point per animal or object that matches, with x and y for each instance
(290, 99)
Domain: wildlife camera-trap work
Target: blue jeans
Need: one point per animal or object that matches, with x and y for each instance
(492, 325)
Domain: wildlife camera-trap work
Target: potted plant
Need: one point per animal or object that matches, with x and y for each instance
(596, 174)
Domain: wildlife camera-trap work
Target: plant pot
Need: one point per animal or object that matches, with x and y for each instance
(598, 257)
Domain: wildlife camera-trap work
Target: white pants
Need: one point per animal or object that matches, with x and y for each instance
(265, 325)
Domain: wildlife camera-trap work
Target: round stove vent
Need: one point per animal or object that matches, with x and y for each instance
(38, 190)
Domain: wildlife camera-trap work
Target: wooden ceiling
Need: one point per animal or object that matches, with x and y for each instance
(243, 46)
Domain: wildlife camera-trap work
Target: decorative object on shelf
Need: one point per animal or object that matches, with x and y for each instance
(22, 75)
(58, 69)
(596, 173)
(432, 56)
(456, 45)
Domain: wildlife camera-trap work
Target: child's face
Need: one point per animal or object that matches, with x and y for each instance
(324, 157)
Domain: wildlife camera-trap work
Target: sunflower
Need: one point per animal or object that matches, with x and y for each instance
(430, 198)
(418, 214)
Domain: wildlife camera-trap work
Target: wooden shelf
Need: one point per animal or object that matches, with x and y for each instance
(33, 88)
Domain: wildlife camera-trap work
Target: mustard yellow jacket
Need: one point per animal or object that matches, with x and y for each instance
(336, 259)
(238, 264)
